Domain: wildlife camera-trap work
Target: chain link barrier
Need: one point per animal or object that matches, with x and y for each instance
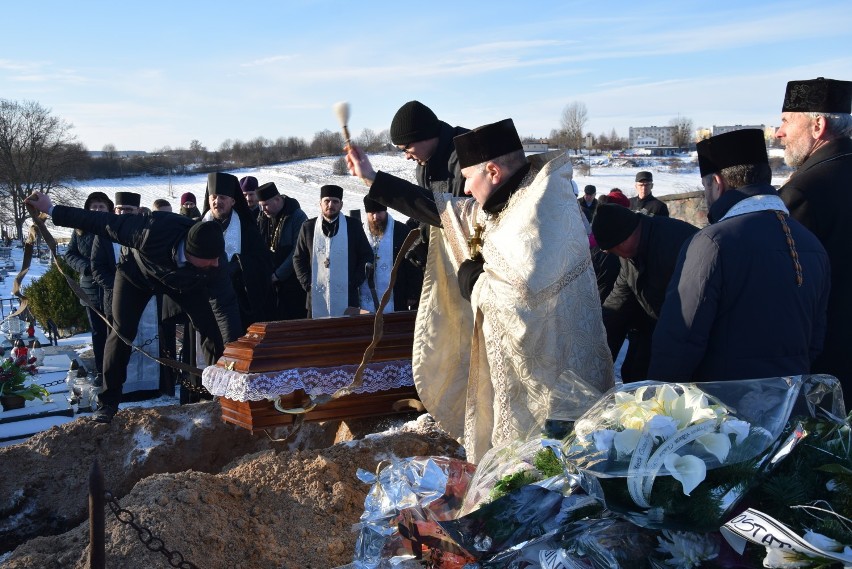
(146, 536)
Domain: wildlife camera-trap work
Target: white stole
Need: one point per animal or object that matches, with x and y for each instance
(330, 281)
(382, 264)
(233, 236)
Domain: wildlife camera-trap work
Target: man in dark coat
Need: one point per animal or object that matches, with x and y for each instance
(748, 298)
(815, 127)
(417, 132)
(79, 257)
(588, 202)
(648, 247)
(280, 224)
(321, 256)
(249, 260)
(644, 202)
(106, 254)
(386, 235)
(168, 254)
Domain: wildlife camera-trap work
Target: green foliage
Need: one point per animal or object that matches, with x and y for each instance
(14, 375)
(50, 297)
(546, 465)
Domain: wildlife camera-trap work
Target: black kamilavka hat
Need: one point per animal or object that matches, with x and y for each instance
(745, 146)
(331, 191)
(267, 191)
(487, 142)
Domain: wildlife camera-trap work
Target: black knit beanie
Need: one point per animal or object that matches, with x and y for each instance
(414, 122)
(205, 240)
(613, 224)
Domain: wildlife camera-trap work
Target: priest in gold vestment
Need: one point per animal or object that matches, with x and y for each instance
(530, 343)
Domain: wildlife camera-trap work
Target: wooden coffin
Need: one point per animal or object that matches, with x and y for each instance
(299, 350)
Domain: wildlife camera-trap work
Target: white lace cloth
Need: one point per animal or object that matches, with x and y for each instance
(238, 386)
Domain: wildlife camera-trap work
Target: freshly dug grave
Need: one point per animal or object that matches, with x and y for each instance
(220, 496)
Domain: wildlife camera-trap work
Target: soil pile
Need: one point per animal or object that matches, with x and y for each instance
(220, 496)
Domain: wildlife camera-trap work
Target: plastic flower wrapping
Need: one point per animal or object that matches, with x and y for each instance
(647, 478)
(679, 456)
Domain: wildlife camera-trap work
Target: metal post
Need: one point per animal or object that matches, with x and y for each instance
(97, 526)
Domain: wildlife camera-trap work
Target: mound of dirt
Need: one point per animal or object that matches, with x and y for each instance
(220, 496)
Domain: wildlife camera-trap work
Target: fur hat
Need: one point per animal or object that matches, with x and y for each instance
(414, 122)
(487, 142)
(613, 224)
(818, 95)
(205, 240)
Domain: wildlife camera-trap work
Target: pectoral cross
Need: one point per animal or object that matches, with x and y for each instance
(474, 243)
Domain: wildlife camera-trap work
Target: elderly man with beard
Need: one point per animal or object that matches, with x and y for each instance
(280, 225)
(386, 236)
(249, 260)
(167, 254)
(816, 126)
(530, 345)
(331, 257)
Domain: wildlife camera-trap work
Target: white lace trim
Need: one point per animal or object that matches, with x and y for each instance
(761, 202)
(238, 386)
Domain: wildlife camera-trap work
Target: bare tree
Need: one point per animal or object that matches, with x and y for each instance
(683, 134)
(574, 118)
(37, 152)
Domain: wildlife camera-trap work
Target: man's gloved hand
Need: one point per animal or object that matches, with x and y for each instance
(469, 271)
(416, 255)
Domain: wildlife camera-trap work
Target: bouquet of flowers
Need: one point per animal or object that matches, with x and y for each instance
(679, 456)
(15, 378)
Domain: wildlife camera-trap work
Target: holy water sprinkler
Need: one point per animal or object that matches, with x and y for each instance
(341, 109)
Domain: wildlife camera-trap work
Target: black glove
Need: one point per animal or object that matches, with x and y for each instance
(416, 255)
(469, 271)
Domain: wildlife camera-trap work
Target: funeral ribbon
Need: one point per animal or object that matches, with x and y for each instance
(757, 527)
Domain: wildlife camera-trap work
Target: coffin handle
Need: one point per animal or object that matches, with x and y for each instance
(293, 410)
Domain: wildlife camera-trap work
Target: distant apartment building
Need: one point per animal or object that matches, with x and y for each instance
(717, 130)
(652, 136)
(535, 147)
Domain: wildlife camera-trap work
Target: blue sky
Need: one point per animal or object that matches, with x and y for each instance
(145, 75)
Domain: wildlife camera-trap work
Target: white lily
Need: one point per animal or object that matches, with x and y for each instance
(625, 441)
(737, 428)
(603, 439)
(691, 407)
(661, 426)
(689, 470)
(666, 395)
(717, 444)
(777, 558)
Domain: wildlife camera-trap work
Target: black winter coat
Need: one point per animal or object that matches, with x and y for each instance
(103, 268)
(154, 241)
(643, 280)
(649, 205)
(360, 253)
(79, 257)
(284, 229)
(733, 309)
(819, 195)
